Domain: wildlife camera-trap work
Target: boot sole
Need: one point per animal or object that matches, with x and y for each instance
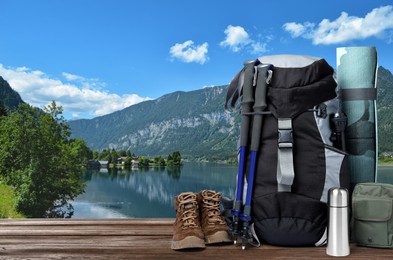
(218, 237)
(188, 242)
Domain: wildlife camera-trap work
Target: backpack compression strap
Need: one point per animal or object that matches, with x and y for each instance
(299, 82)
(285, 170)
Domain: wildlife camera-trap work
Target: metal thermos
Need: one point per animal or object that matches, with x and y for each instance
(338, 227)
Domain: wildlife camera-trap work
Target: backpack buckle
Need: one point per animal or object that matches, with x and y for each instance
(285, 138)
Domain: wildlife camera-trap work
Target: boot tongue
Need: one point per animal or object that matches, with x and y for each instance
(189, 205)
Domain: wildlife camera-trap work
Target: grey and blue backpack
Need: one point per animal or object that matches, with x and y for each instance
(291, 149)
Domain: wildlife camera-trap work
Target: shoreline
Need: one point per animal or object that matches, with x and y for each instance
(390, 164)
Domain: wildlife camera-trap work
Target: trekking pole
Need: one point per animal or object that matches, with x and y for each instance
(246, 106)
(259, 106)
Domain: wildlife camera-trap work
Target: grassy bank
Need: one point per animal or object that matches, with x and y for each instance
(385, 161)
(385, 164)
(7, 203)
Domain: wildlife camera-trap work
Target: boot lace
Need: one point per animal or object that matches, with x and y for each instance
(211, 202)
(189, 205)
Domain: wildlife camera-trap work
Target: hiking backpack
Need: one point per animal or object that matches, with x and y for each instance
(291, 149)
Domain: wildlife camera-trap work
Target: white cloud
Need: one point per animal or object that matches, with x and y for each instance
(238, 39)
(378, 23)
(296, 29)
(72, 77)
(257, 48)
(188, 52)
(80, 98)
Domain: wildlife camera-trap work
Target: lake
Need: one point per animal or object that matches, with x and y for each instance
(149, 193)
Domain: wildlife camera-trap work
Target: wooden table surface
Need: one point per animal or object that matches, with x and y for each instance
(133, 239)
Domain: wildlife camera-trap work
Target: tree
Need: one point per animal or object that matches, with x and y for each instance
(81, 150)
(104, 155)
(143, 162)
(128, 153)
(39, 160)
(95, 155)
(3, 110)
(159, 161)
(113, 157)
(128, 162)
(174, 158)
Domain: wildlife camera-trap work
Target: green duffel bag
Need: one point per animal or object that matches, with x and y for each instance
(372, 218)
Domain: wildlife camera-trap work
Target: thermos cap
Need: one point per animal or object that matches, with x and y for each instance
(338, 197)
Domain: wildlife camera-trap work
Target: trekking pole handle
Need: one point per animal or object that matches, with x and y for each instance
(264, 77)
(260, 103)
(247, 101)
(248, 86)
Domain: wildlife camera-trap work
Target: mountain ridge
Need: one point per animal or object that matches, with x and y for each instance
(199, 127)
(8, 96)
(385, 111)
(194, 123)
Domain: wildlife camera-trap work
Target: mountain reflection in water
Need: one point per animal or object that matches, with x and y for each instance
(149, 193)
(145, 193)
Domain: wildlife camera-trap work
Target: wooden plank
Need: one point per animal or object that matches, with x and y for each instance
(157, 251)
(62, 222)
(86, 232)
(133, 239)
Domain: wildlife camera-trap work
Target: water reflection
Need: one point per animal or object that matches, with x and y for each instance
(148, 192)
(95, 210)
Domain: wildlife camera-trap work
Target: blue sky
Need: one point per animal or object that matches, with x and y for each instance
(94, 57)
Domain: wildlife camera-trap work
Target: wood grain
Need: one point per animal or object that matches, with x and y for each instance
(133, 239)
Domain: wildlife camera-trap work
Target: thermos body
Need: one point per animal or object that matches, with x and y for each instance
(338, 226)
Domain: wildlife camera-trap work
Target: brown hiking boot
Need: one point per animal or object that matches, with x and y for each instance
(213, 224)
(187, 229)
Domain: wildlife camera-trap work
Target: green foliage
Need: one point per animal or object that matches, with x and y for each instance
(385, 160)
(39, 160)
(3, 110)
(143, 161)
(128, 162)
(174, 158)
(7, 202)
(79, 149)
(113, 156)
(159, 161)
(104, 155)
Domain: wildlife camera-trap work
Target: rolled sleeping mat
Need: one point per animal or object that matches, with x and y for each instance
(356, 78)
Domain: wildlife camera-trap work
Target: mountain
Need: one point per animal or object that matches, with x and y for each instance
(193, 123)
(196, 124)
(9, 97)
(385, 110)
